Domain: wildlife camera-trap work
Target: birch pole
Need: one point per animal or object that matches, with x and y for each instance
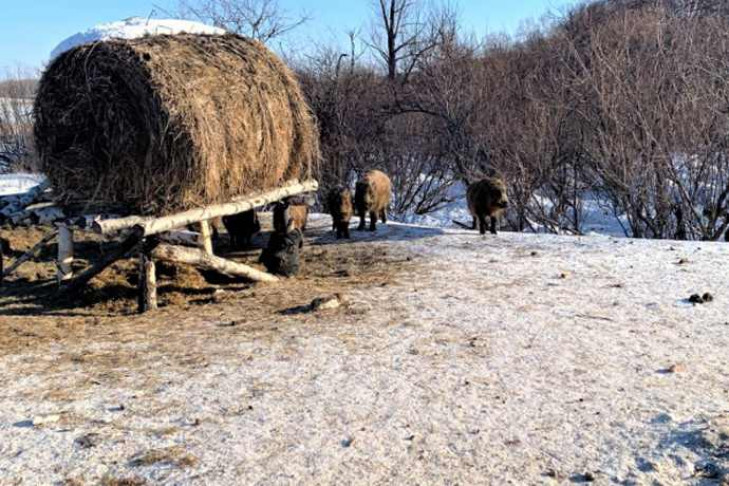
(65, 253)
(197, 257)
(153, 226)
(147, 283)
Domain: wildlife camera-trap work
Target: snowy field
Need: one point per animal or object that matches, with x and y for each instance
(516, 359)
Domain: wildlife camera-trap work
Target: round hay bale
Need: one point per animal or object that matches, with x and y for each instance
(168, 123)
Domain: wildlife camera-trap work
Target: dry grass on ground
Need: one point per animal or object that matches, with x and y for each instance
(29, 301)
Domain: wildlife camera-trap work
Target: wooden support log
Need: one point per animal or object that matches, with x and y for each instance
(65, 253)
(153, 226)
(125, 248)
(110, 226)
(206, 237)
(30, 254)
(147, 283)
(197, 257)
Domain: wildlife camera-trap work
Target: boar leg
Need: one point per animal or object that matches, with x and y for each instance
(373, 221)
(493, 225)
(482, 224)
(361, 226)
(384, 216)
(475, 223)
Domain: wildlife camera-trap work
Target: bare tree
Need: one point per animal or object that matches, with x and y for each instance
(401, 35)
(263, 20)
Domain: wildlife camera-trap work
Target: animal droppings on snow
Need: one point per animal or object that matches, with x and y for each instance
(701, 299)
(586, 477)
(87, 441)
(708, 470)
(676, 368)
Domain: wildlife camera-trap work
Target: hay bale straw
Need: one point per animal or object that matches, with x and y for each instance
(168, 123)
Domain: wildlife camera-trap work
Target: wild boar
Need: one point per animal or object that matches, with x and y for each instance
(339, 202)
(372, 195)
(282, 254)
(487, 198)
(241, 228)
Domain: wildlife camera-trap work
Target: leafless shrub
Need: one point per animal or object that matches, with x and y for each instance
(263, 20)
(17, 91)
(624, 102)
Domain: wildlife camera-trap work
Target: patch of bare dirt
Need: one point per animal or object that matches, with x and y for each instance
(32, 315)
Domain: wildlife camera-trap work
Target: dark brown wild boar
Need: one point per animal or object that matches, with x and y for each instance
(300, 214)
(282, 254)
(288, 217)
(372, 196)
(339, 202)
(241, 228)
(487, 198)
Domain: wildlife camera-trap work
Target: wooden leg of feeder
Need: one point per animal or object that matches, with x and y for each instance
(206, 239)
(65, 253)
(124, 249)
(147, 283)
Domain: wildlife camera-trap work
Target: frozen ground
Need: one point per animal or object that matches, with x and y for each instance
(516, 359)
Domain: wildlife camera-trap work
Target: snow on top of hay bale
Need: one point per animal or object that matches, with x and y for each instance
(133, 28)
(168, 123)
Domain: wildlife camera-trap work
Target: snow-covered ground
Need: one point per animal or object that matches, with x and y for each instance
(597, 219)
(516, 359)
(133, 28)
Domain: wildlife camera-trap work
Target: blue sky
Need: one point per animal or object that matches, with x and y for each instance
(30, 29)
